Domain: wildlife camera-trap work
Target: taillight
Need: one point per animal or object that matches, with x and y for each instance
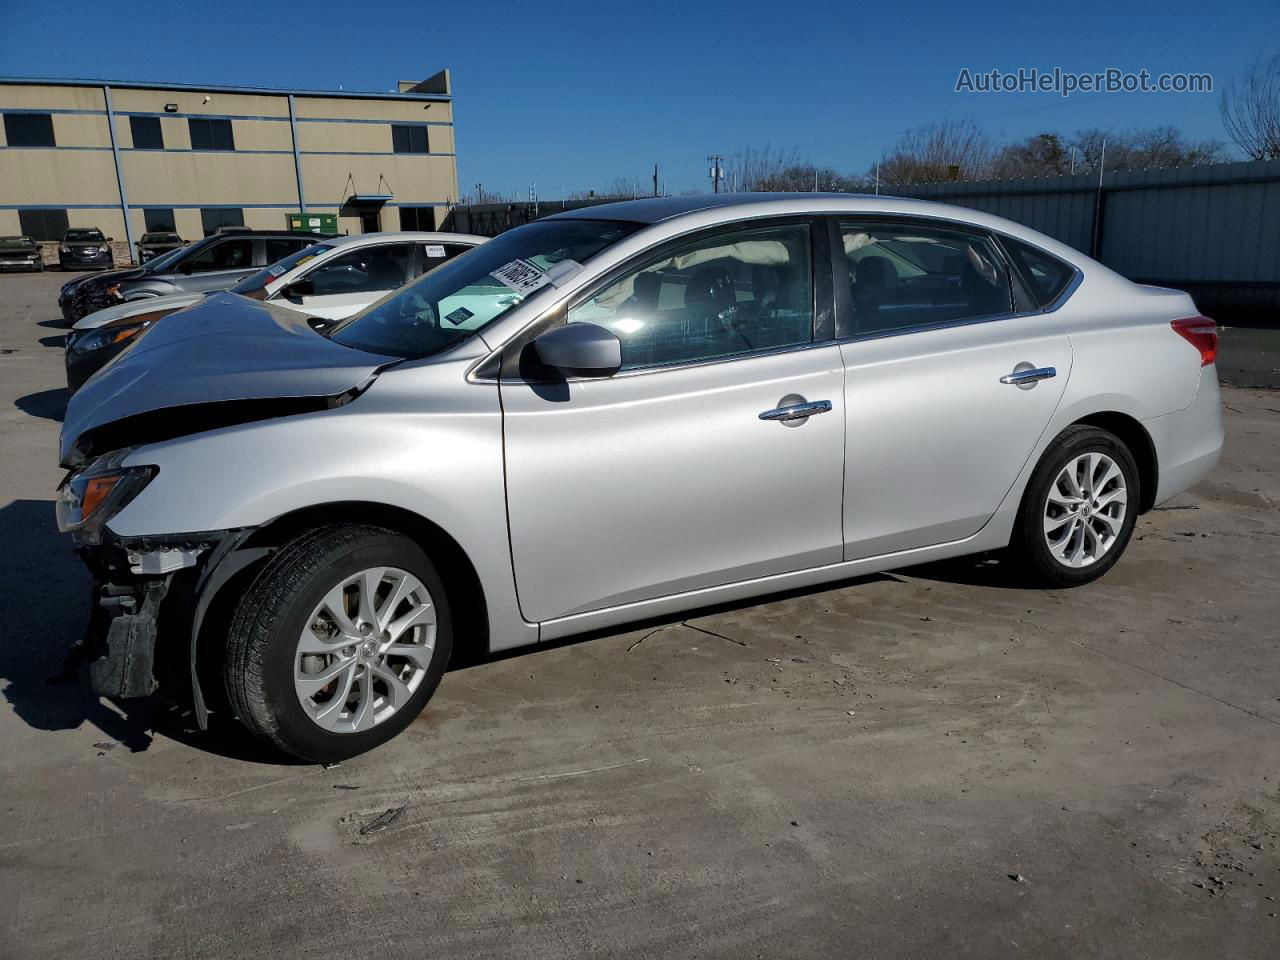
(1201, 333)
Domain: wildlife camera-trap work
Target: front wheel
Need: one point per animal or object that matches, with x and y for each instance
(1079, 509)
(338, 643)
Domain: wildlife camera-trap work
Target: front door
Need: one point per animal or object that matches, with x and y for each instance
(935, 437)
(350, 281)
(693, 466)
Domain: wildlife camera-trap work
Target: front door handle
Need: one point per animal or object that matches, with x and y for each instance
(1019, 377)
(796, 411)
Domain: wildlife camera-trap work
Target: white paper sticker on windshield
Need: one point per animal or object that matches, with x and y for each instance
(275, 270)
(435, 250)
(521, 276)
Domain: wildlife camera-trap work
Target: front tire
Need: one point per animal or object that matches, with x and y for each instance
(1079, 509)
(338, 643)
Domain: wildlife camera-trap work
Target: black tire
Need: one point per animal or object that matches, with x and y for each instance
(1028, 549)
(263, 635)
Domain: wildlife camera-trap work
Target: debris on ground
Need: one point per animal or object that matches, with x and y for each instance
(382, 821)
(102, 746)
(1017, 878)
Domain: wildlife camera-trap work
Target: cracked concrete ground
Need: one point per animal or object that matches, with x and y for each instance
(930, 763)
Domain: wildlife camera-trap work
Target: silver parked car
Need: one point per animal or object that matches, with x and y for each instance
(609, 415)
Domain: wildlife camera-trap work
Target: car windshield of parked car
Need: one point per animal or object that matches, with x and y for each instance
(83, 236)
(16, 243)
(161, 238)
(165, 260)
(256, 285)
(455, 300)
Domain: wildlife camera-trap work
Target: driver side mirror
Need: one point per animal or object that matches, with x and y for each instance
(298, 289)
(580, 350)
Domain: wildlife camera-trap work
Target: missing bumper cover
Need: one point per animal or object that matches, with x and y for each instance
(127, 668)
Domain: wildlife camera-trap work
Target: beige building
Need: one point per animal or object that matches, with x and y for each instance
(134, 157)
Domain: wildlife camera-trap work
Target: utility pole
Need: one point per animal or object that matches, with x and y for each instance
(655, 180)
(716, 172)
(1073, 161)
(479, 194)
(1096, 245)
(877, 178)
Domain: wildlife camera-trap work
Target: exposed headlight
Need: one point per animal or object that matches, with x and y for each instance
(91, 497)
(106, 336)
(113, 290)
(64, 248)
(103, 249)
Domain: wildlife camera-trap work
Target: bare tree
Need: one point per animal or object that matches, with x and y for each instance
(1251, 110)
(1044, 155)
(1142, 149)
(948, 150)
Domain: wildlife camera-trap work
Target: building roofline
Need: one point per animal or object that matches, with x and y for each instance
(223, 88)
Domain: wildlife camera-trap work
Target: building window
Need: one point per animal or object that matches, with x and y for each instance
(408, 138)
(29, 130)
(417, 218)
(42, 224)
(146, 133)
(209, 134)
(158, 220)
(212, 218)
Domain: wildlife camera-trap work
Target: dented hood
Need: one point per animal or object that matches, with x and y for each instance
(225, 360)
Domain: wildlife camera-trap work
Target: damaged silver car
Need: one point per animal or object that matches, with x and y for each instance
(611, 415)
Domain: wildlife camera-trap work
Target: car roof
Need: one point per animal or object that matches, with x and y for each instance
(656, 209)
(391, 236)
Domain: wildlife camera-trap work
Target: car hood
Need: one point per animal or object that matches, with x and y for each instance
(134, 307)
(103, 279)
(224, 361)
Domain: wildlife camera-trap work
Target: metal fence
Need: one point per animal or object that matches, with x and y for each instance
(1213, 230)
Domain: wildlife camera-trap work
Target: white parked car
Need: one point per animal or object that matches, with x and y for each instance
(331, 279)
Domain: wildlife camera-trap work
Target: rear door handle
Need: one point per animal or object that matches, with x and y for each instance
(797, 411)
(1029, 376)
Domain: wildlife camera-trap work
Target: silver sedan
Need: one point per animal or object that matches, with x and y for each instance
(609, 415)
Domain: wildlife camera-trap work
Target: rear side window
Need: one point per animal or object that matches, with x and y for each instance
(1045, 274)
(225, 255)
(280, 247)
(363, 270)
(906, 276)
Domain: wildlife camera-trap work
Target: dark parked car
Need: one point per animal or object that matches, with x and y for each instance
(84, 247)
(215, 263)
(153, 244)
(20, 253)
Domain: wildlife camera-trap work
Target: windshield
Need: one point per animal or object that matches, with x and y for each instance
(74, 236)
(17, 243)
(158, 264)
(161, 238)
(256, 285)
(460, 297)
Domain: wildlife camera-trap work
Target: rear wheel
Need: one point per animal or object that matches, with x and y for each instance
(339, 642)
(1079, 508)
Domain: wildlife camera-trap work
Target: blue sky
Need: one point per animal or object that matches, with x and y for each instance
(572, 95)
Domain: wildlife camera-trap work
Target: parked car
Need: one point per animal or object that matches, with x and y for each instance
(153, 244)
(84, 247)
(20, 253)
(218, 262)
(331, 280)
(608, 415)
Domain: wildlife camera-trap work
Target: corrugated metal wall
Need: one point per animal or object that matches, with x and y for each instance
(1213, 230)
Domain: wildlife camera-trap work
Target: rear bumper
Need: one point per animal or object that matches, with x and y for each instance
(1188, 442)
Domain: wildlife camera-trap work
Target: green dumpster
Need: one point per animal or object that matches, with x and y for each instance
(324, 223)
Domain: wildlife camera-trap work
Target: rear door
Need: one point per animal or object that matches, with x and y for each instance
(349, 281)
(948, 386)
(682, 471)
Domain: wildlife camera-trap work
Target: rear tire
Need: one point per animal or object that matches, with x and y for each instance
(1079, 509)
(328, 605)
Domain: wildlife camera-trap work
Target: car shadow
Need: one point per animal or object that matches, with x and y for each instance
(59, 341)
(996, 570)
(46, 404)
(58, 323)
(46, 591)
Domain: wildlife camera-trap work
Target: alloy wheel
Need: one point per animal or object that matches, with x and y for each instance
(1085, 510)
(365, 649)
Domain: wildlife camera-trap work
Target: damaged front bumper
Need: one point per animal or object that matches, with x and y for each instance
(149, 600)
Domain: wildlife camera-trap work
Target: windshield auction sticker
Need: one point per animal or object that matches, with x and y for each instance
(521, 276)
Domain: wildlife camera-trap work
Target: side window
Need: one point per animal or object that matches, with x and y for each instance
(1045, 274)
(210, 134)
(43, 224)
(366, 270)
(225, 255)
(434, 254)
(719, 296)
(29, 130)
(903, 276)
(408, 138)
(213, 219)
(277, 248)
